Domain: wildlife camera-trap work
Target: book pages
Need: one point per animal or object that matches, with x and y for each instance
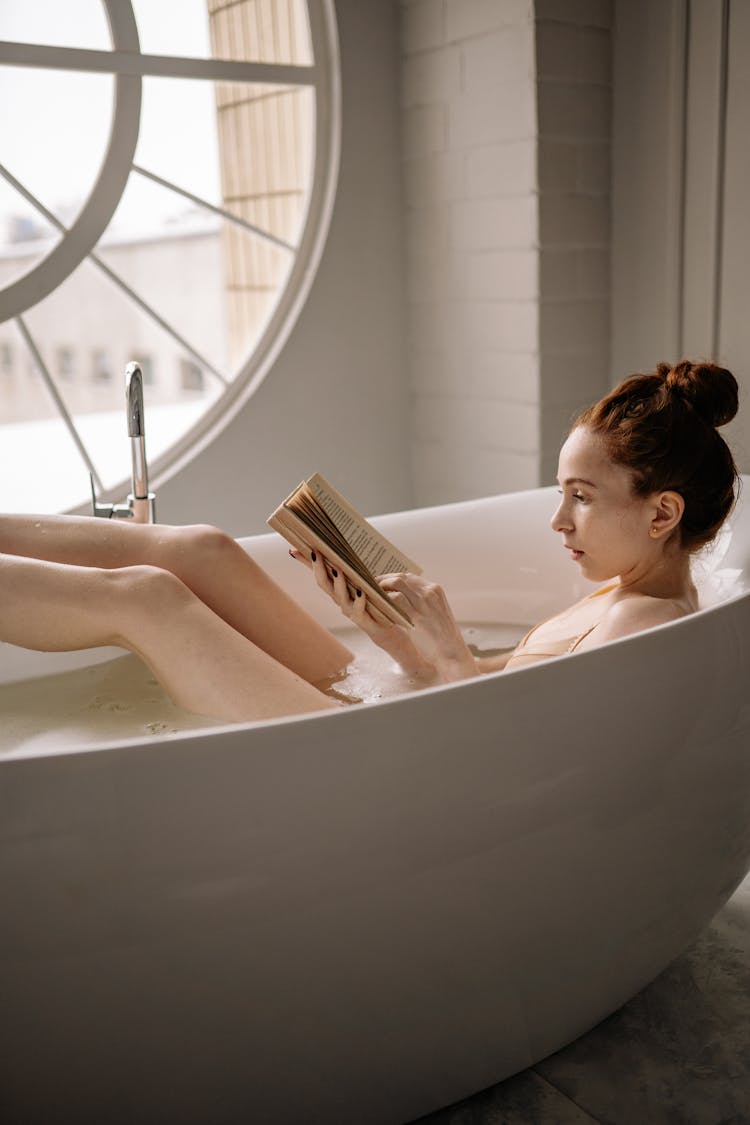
(378, 554)
(315, 516)
(291, 527)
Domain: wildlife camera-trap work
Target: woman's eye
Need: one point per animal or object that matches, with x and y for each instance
(574, 495)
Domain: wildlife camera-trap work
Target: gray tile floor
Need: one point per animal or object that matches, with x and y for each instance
(677, 1054)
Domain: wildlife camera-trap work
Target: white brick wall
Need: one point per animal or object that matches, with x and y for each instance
(493, 276)
(506, 130)
(574, 91)
(492, 224)
(442, 473)
(485, 374)
(468, 93)
(422, 25)
(467, 18)
(502, 169)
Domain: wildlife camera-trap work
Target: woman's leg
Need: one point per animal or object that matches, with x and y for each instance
(204, 664)
(211, 564)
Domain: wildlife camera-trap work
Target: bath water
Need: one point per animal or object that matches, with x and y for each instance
(121, 699)
(373, 675)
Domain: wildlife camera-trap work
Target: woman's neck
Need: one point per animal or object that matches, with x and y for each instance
(668, 576)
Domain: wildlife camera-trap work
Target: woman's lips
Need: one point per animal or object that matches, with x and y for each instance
(574, 554)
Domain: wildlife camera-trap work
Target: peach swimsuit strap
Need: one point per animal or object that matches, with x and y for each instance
(565, 644)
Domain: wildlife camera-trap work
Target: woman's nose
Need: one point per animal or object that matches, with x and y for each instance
(561, 519)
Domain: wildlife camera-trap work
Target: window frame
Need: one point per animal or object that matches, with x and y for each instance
(78, 243)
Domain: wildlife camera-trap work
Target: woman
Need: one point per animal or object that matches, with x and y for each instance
(645, 480)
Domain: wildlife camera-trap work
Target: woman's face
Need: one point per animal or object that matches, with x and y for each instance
(604, 525)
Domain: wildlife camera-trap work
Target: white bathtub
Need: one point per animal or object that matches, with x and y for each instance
(364, 915)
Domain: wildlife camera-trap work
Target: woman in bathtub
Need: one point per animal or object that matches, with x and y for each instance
(645, 480)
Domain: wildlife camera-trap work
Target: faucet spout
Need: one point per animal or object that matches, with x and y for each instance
(141, 502)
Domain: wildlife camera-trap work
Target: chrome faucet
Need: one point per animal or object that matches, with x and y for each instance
(141, 504)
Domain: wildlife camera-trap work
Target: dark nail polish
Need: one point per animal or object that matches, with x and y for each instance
(335, 573)
(314, 557)
(359, 593)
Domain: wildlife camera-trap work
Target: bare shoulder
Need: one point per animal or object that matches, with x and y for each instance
(638, 612)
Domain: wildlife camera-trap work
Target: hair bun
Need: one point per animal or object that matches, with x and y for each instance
(711, 390)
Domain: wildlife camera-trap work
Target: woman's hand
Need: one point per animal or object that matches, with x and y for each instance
(393, 639)
(433, 650)
(436, 633)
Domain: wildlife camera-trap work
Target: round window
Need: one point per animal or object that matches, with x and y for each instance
(165, 188)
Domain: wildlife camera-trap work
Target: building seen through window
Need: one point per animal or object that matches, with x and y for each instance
(6, 358)
(65, 362)
(101, 366)
(191, 376)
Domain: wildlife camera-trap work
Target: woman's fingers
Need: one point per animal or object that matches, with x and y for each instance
(351, 600)
(299, 557)
(333, 582)
(322, 576)
(353, 603)
(340, 589)
(414, 591)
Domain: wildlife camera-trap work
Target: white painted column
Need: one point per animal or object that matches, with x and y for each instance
(574, 97)
(506, 143)
(469, 126)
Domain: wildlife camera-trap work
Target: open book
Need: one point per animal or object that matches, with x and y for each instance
(315, 517)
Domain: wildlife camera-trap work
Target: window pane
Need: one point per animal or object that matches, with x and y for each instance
(105, 435)
(25, 236)
(76, 23)
(177, 268)
(53, 142)
(98, 325)
(256, 271)
(40, 468)
(177, 139)
(256, 30)
(178, 287)
(263, 30)
(277, 125)
(161, 34)
(269, 193)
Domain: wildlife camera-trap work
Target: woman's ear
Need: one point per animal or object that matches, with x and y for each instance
(667, 514)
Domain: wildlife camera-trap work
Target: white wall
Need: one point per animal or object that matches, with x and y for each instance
(574, 97)
(336, 399)
(507, 129)
(469, 145)
(681, 233)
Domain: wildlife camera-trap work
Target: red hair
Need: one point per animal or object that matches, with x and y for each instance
(662, 426)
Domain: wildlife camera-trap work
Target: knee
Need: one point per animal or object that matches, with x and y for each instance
(146, 589)
(142, 599)
(199, 547)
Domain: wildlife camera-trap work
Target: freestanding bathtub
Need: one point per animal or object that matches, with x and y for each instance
(361, 916)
